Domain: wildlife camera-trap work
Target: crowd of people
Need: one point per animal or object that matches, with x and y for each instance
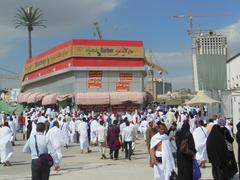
(175, 137)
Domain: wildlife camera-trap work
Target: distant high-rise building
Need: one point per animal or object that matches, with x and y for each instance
(209, 61)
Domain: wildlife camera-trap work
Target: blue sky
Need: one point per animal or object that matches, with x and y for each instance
(147, 20)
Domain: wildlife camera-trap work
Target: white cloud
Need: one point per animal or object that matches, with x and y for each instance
(63, 17)
(233, 37)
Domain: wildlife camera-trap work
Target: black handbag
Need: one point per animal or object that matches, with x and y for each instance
(46, 158)
(159, 159)
(184, 148)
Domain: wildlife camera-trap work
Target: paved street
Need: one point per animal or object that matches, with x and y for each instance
(88, 166)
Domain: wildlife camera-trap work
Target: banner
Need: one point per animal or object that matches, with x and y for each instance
(122, 86)
(125, 76)
(95, 79)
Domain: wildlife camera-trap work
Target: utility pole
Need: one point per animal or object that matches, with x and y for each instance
(152, 73)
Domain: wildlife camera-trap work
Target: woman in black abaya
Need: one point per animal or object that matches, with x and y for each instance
(217, 154)
(185, 162)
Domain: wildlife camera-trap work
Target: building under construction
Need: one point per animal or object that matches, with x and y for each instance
(87, 72)
(209, 61)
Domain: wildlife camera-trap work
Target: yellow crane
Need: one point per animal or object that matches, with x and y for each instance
(150, 72)
(190, 18)
(96, 24)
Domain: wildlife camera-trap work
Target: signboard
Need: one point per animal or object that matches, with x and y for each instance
(84, 51)
(108, 51)
(125, 76)
(48, 60)
(94, 79)
(122, 86)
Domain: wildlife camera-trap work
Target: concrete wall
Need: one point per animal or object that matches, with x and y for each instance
(233, 84)
(233, 73)
(72, 82)
(235, 111)
(211, 72)
(224, 109)
(63, 83)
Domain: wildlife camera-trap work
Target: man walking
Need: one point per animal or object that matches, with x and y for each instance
(39, 171)
(101, 139)
(127, 138)
(6, 149)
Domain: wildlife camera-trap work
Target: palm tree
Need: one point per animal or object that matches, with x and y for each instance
(29, 18)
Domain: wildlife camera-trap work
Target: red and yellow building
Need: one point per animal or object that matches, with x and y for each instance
(92, 72)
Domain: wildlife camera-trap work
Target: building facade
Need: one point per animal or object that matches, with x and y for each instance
(87, 66)
(233, 85)
(209, 62)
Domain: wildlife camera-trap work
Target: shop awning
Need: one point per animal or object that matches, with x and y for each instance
(50, 99)
(64, 97)
(40, 96)
(32, 97)
(23, 97)
(92, 98)
(124, 97)
(19, 98)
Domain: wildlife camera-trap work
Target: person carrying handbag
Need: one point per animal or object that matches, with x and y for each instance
(39, 171)
(185, 152)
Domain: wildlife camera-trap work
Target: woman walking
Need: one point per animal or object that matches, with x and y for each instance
(185, 156)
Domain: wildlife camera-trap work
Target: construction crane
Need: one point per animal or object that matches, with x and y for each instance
(96, 24)
(190, 31)
(150, 73)
(190, 18)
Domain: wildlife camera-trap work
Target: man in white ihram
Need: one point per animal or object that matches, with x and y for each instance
(200, 135)
(83, 131)
(161, 155)
(6, 149)
(55, 142)
(93, 128)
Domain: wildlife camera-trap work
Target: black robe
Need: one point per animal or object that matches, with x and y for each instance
(232, 164)
(217, 154)
(185, 163)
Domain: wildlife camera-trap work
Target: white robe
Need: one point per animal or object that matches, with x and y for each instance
(163, 171)
(5, 144)
(93, 127)
(143, 128)
(200, 138)
(83, 131)
(13, 129)
(34, 130)
(66, 131)
(72, 127)
(55, 143)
